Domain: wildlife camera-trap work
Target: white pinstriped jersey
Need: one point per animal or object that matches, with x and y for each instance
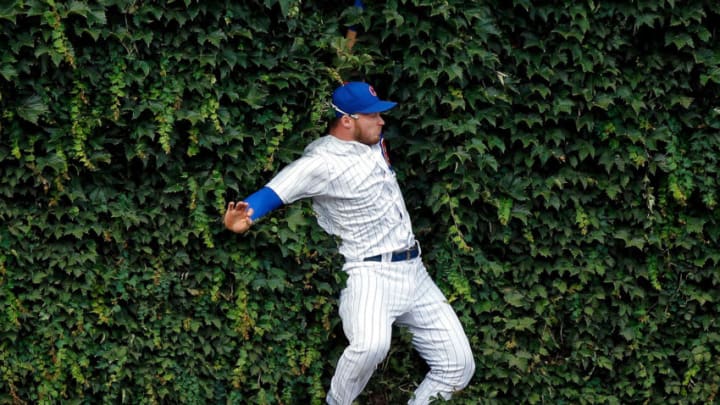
(355, 196)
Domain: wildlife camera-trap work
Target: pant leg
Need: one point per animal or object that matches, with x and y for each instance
(440, 339)
(367, 316)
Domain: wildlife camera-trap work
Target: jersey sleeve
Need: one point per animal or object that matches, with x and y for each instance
(262, 202)
(304, 178)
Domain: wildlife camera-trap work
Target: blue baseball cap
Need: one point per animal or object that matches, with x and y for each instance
(358, 98)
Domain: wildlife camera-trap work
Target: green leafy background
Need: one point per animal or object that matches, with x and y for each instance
(560, 161)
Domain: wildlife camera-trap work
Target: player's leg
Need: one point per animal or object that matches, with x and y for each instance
(367, 322)
(440, 339)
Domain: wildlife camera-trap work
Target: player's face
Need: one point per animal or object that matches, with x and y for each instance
(368, 128)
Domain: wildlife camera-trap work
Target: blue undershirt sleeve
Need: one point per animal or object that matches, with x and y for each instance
(262, 202)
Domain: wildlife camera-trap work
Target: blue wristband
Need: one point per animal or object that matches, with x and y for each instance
(262, 202)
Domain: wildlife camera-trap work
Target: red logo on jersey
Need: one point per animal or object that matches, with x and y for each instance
(372, 91)
(385, 152)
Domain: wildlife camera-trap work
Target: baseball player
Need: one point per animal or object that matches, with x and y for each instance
(356, 197)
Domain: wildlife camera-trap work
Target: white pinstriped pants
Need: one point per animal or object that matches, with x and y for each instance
(380, 294)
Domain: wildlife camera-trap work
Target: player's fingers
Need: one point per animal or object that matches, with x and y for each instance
(250, 211)
(240, 206)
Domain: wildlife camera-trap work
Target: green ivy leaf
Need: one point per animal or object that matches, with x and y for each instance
(32, 108)
(680, 40)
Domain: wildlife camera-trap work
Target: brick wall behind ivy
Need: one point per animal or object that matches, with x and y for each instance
(560, 161)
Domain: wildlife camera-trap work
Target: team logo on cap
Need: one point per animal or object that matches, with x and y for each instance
(372, 91)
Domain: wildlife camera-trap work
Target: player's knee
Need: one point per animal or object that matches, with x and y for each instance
(372, 351)
(468, 370)
(464, 369)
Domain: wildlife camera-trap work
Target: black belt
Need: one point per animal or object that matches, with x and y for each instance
(397, 256)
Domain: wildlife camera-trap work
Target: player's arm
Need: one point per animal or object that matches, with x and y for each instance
(240, 215)
(305, 177)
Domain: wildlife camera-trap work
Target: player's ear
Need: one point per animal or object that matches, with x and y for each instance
(346, 121)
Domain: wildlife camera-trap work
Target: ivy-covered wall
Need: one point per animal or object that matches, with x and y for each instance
(560, 161)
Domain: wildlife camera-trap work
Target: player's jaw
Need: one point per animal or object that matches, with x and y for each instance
(368, 128)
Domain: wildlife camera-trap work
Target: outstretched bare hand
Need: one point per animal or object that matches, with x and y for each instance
(237, 217)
